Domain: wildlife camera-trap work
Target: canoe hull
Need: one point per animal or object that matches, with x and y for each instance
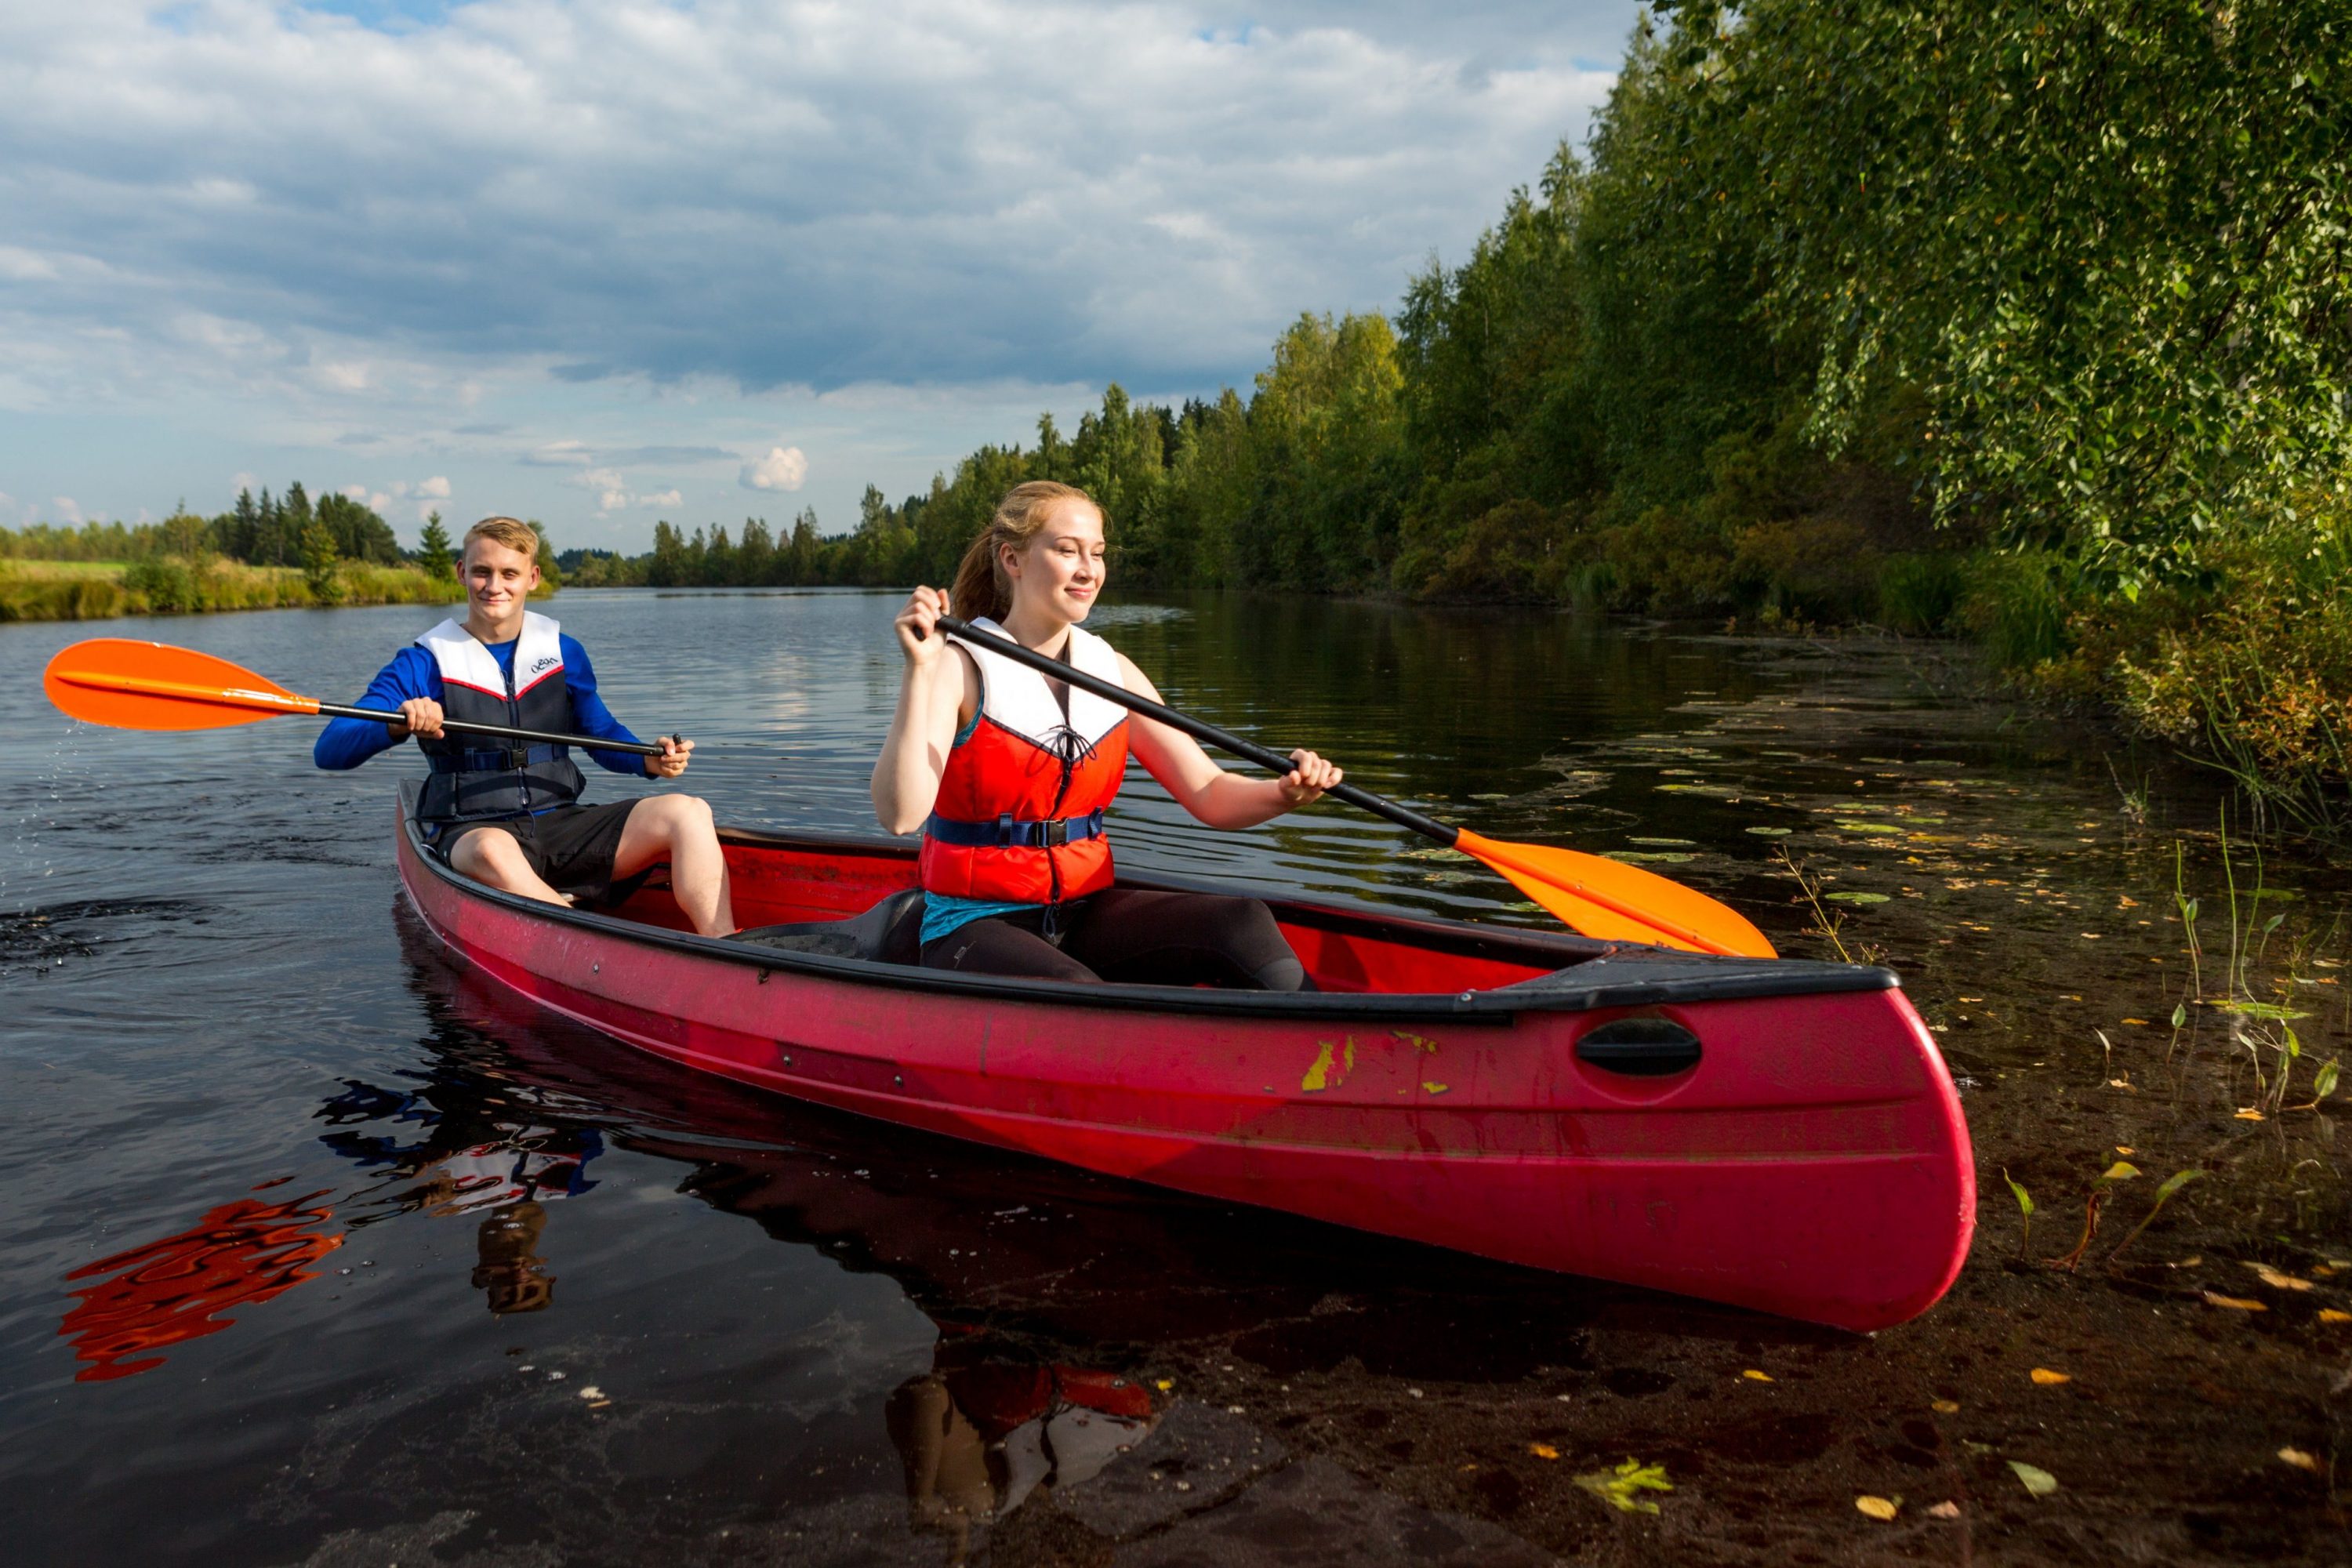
(1815, 1164)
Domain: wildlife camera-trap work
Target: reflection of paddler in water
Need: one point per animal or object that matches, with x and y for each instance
(472, 1161)
(979, 1435)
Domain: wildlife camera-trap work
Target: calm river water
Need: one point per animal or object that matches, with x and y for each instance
(312, 1252)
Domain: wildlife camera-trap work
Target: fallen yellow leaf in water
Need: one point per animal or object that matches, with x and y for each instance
(2125, 1149)
(2121, 1171)
(2250, 1114)
(1543, 1450)
(2035, 1479)
(1164, 1385)
(2141, 1022)
(2235, 1303)
(1946, 1407)
(1879, 1507)
(1945, 1511)
(1756, 1376)
(2300, 1460)
(1622, 1487)
(2049, 1379)
(2276, 1280)
(2331, 1315)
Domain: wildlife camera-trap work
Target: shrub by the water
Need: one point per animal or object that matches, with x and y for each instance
(78, 591)
(2246, 667)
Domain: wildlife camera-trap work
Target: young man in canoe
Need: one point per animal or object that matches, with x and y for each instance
(1007, 774)
(509, 815)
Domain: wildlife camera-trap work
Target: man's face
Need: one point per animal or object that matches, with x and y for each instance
(498, 580)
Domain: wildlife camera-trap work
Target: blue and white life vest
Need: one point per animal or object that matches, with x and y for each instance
(480, 778)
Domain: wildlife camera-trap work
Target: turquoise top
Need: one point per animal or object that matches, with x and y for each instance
(943, 912)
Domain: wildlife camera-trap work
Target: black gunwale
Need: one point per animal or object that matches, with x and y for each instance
(1615, 979)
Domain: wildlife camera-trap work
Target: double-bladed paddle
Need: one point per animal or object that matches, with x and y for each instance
(134, 685)
(1599, 897)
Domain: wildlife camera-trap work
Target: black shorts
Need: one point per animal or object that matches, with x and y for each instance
(569, 848)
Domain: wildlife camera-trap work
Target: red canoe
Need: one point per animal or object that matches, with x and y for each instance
(1770, 1133)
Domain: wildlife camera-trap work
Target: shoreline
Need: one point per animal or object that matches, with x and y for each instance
(33, 590)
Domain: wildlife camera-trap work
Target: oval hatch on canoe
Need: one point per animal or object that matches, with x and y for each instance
(1640, 1048)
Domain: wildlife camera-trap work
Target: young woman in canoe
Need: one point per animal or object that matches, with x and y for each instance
(1007, 774)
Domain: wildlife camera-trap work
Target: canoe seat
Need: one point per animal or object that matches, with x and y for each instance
(890, 932)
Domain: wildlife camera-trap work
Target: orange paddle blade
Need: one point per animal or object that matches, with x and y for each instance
(136, 685)
(1618, 902)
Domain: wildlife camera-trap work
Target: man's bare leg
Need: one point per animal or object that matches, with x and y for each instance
(491, 856)
(678, 828)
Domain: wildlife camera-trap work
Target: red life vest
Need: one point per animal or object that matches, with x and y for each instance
(1019, 814)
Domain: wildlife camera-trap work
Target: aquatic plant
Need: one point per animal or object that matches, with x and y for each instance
(2171, 1184)
(1825, 924)
(2024, 1208)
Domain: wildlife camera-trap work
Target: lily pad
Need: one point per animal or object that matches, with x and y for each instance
(1666, 843)
(1771, 832)
(1652, 856)
(1869, 827)
(1858, 897)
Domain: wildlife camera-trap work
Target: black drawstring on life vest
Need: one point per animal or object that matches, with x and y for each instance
(1069, 748)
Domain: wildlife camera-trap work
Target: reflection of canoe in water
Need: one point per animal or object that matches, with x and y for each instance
(1770, 1133)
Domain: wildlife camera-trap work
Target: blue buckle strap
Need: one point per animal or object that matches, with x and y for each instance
(503, 759)
(1008, 832)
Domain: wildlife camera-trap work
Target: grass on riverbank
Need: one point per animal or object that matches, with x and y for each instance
(101, 590)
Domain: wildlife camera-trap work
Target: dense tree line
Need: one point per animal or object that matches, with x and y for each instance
(1850, 293)
(270, 531)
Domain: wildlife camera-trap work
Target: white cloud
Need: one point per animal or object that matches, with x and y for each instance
(793, 192)
(783, 469)
(598, 225)
(66, 508)
(611, 488)
(436, 488)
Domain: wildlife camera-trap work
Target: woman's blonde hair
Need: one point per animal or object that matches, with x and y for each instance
(981, 586)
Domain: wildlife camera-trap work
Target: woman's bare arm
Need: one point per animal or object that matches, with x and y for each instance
(1216, 797)
(940, 688)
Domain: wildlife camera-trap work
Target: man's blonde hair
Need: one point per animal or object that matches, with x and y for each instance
(512, 533)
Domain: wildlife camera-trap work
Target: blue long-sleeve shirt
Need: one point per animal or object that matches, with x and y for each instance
(348, 742)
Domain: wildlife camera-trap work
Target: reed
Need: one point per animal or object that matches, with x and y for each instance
(163, 585)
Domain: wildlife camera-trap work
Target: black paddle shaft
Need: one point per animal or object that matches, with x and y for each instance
(590, 742)
(1248, 751)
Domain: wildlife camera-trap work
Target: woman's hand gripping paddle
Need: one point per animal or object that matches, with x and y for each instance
(1599, 897)
(133, 685)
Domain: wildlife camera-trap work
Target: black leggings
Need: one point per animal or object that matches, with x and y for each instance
(1134, 936)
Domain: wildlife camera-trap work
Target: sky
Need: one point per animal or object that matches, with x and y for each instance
(605, 261)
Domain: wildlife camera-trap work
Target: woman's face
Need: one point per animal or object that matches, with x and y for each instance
(1062, 568)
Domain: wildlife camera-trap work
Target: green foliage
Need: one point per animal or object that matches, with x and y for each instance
(2107, 243)
(319, 558)
(1919, 594)
(2246, 665)
(358, 533)
(167, 584)
(436, 551)
(550, 575)
(51, 590)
